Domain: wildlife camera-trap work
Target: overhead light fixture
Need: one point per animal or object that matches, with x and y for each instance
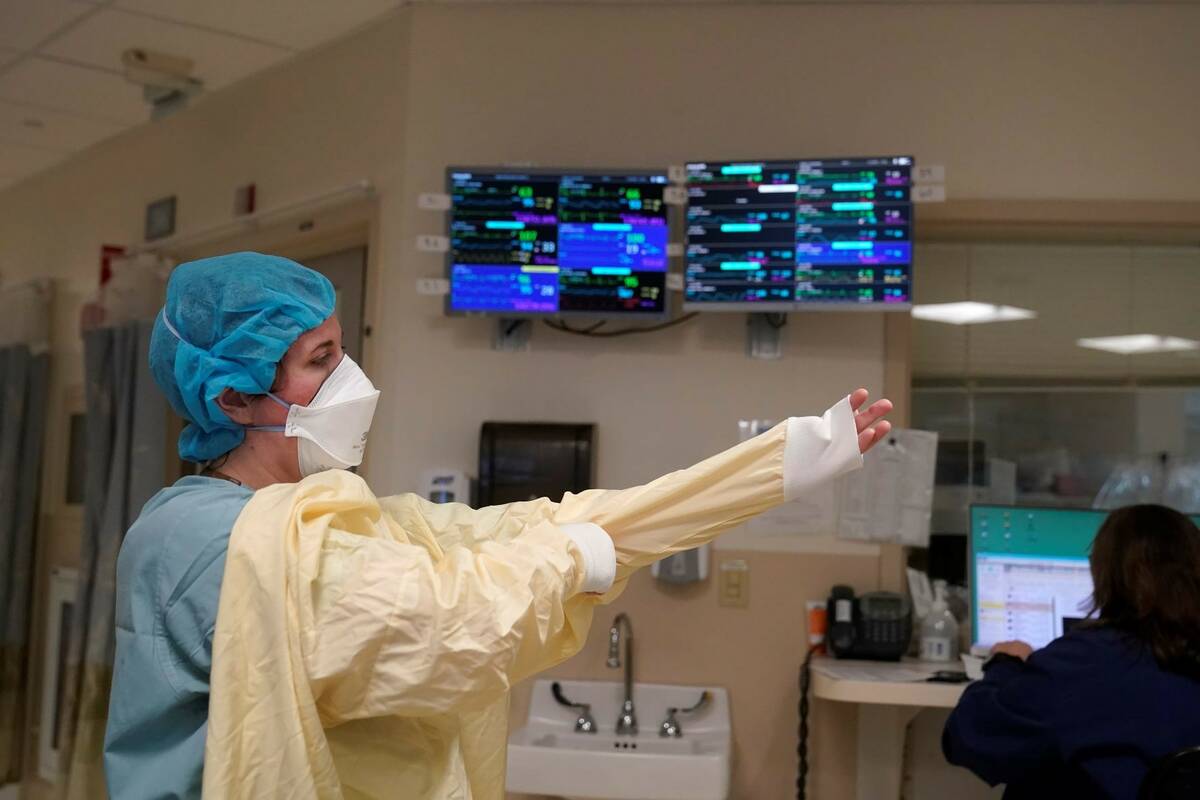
(969, 312)
(1139, 343)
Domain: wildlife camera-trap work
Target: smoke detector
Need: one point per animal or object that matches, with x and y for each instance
(166, 80)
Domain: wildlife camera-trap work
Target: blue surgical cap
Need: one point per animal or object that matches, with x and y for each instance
(226, 324)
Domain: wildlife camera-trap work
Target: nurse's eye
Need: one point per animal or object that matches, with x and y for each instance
(325, 359)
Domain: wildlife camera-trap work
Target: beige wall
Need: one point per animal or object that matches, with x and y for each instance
(1019, 102)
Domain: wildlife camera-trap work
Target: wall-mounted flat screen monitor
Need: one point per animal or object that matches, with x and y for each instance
(529, 242)
(821, 233)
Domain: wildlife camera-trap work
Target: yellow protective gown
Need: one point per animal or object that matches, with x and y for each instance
(365, 647)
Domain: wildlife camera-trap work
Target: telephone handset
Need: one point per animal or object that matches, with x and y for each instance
(875, 626)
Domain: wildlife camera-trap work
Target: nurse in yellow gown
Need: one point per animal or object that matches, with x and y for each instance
(328, 643)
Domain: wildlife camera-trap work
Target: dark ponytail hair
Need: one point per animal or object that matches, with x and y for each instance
(1146, 571)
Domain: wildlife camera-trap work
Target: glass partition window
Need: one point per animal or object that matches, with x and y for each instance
(1091, 400)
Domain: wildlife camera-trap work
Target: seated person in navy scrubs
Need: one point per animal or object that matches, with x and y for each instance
(1087, 716)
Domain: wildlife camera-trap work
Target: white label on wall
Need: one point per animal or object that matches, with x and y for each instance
(677, 173)
(930, 193)
(432, 201)
(674, 282)
(929, 173)
(675, 248)
(428, 243)
(433, 287)
(674, 195)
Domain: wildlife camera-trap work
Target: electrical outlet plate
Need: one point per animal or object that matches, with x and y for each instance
(733, 590)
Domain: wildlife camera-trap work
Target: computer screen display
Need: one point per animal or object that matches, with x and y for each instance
(1029, 572)
(831, 233)
(557, 242)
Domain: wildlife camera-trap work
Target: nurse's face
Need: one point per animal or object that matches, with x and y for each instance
(305, 366)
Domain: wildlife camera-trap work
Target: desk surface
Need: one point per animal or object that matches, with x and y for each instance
(884, 683)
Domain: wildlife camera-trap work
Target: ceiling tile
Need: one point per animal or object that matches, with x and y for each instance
(18, 160)
(25, 23)
(75, 90)
(51, 129)
(294, 23)
(220, 59)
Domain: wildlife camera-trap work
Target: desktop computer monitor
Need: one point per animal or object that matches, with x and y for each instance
(1029, 572)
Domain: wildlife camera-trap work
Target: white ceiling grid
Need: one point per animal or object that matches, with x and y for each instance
(62, 88)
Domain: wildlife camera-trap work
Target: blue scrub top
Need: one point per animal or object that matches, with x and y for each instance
(168, 586)
(1083, 718)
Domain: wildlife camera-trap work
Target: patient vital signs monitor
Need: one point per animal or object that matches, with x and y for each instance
(559, 242)
(826, 233)
(1029, 572)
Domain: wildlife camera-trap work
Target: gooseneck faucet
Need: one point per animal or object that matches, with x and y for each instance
(627, 722)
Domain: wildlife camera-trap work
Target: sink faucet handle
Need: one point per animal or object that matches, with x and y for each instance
(670, 726)
(584, 723)
(705, 696)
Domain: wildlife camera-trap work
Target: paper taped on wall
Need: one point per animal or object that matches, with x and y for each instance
(889, 500)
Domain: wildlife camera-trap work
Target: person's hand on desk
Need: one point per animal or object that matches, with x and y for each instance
(1015, 649)
(872, 427)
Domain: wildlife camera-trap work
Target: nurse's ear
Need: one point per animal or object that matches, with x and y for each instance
(238, 406)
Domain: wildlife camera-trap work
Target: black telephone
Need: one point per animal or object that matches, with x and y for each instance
(875, 626)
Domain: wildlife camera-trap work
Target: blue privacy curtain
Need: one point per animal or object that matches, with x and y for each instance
(126, 460)
(24, 378)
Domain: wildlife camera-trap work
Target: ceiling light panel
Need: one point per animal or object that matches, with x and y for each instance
(1139, 344)
(970, 313)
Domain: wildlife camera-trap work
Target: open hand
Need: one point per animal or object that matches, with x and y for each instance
(872, 427)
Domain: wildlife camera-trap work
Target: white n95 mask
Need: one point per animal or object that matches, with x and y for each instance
(333, 428)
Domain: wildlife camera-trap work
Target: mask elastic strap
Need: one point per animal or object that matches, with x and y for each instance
(171, 328)
(272, 428)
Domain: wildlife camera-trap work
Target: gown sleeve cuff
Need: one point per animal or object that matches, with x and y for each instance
(598, 554)
(819, 449)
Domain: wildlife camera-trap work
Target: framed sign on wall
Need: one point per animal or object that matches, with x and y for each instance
(160, 218)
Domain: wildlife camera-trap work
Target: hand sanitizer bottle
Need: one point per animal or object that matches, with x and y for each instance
(939, 630)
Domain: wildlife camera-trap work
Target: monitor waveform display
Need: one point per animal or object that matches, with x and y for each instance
(796, 235)
(557, 242)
